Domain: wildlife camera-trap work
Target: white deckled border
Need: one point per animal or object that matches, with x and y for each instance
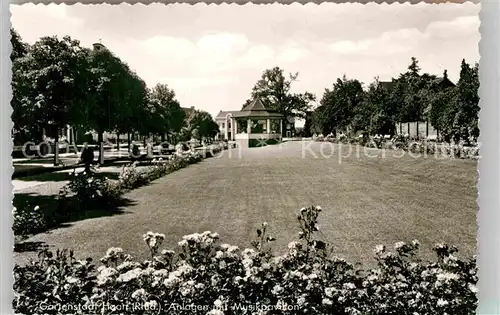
(489, 165)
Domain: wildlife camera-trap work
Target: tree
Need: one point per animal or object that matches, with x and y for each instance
(55, 70)
(465, 124)
(170, 116)
(338, 105)
(308, 125)
(375, 114)
(118, 96)
(26, 126)
(204, 124)
(274, 90)
(19, 48)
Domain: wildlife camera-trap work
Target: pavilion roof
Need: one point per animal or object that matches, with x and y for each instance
(254, 109)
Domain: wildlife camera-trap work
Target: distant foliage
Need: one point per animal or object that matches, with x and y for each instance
(412, 96)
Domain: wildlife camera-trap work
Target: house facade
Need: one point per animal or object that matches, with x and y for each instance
(253, 125)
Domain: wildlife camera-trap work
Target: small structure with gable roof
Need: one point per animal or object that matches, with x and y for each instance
(253, 125)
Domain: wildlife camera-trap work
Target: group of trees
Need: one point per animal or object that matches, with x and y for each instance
(274, 90)
(56, 82)
(412, 97)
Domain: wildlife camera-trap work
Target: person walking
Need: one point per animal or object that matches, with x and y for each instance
(87, 157)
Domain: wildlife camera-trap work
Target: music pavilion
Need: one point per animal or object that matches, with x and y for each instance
(253, 125)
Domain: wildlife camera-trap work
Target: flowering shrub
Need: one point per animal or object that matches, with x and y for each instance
(419, 146)
(27, 221)
(205, 276)
(88, 189)
(130, 177)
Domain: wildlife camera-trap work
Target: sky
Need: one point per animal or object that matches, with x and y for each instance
(212, 55)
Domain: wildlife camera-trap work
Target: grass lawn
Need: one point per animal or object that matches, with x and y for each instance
(366, 201)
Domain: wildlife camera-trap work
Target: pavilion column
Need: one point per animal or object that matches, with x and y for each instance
(268, 126)
(233, 127)
(249, 126)
(225, 129)
(281, 127)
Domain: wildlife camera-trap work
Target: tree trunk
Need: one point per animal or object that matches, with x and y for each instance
(417, 128)
(128, 141)
(162, 137)
(100, 140)
(117, 141)
(56, 148)
(427, 128)
(408, 129)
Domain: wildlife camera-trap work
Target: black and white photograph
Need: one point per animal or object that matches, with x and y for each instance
(245, 159)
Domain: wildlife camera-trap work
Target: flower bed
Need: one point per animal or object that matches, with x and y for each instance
(405, 143)
(205, 276)
(88, 191)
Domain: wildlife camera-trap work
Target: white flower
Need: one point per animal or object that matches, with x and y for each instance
(182, 243)
(171, 281)
(247, 262)
(294, 245)
(350, 286)
(218, 303)
(130, 275)
(442, 302)
(36, 208)
(106, 275)
(329, 292)
(138, 294)
(219, 254)
(379, 249)
(472, 288)
(399, 245)
(277, 289)
(326, 302)
(447, 276)
(301, 300)
(71, 280)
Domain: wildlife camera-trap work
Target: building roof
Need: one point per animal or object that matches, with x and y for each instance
(254, 109)
(256, 105)
(222, 114)
(444, 81)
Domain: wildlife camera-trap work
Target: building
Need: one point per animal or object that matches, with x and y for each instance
(253, 125)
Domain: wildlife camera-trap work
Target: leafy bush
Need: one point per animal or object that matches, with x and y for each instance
(130, 177)
(27, 221)
(420, 146)
(204, 276)
(87, 188)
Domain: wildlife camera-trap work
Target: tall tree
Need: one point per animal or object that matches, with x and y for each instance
(170, 114)
(465, 125)
(274, 90)
(26, 126)
(375, 114)
(205, 125)
(118, 96)
(55, 69)
(339, 104)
